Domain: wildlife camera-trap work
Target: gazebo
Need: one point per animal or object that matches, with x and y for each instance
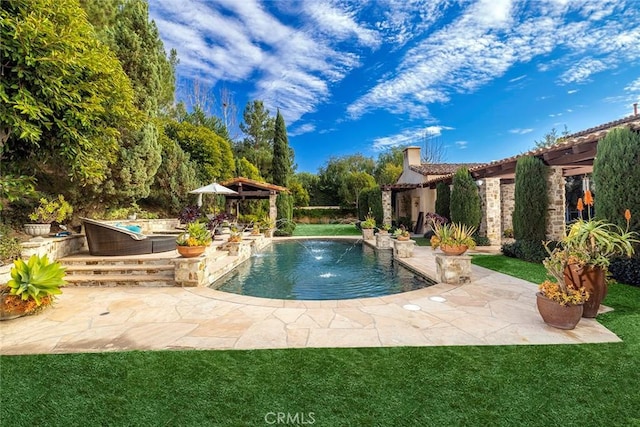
(249, 189)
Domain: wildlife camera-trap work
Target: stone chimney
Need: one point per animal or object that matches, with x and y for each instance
(411, 157)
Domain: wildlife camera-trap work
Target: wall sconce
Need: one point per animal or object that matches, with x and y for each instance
(479, 182)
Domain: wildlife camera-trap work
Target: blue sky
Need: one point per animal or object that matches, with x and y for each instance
(485, 78)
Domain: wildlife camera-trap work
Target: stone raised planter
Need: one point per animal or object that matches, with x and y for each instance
(454, 270)
(403, 248)
(383, 241)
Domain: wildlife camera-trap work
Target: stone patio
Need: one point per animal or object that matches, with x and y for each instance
(493, 309)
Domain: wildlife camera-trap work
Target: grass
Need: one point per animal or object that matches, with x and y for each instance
(326, 230)
(582, 385)
(532, 272)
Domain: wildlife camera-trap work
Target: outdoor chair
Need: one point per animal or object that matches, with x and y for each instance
(109, 240)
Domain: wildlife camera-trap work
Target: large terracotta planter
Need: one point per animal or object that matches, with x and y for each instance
(593, 279)
(453, 250)
(13, 306)
(556, 315)
(191, 251)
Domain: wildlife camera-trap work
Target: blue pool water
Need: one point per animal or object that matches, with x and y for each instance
(320, 270)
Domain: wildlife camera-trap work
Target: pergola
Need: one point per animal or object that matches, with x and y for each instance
(249, 189)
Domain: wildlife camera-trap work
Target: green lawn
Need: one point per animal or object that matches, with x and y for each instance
(581, 385)
(326, 230)
(535, 273)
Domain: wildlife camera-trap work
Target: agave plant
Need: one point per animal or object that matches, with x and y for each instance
(453, 234)
(36, 278)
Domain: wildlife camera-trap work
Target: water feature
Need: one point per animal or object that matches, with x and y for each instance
(320, 270)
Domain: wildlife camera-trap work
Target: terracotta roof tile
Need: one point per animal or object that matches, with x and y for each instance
(427, 169)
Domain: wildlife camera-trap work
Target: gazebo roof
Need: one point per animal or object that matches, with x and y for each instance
(252, 189)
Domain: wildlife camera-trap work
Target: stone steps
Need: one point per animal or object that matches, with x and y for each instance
(152, 270)
(113, 280)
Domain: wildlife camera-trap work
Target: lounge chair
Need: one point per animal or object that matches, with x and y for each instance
(109, 240)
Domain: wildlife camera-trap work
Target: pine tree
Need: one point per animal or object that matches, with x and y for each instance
(531, 200)
(125, 27)
(257, 146)
(443, 200)
(465, 200)
(616, 174)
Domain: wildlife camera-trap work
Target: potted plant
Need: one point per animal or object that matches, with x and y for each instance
(33, 286)
(559, 302)
(401, 234)
(452, 239)
(268, 225)
(384, 229)
(588, 246)
(194, 241)
(367, 227)
(48, 211)
(236, 235)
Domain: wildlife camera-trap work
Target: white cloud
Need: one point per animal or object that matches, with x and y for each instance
(634, 86)
(414, 136)
(306, 128)
(295, 53)
(489, 38)
(572, 91)
(582, 70)
(235, 41)
(461, 144)
(340, 23)
(519, 131)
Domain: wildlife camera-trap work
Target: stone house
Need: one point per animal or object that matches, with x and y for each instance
(414, 194)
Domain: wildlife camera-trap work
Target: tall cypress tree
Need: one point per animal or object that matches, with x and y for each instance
(616, 173)
(465, 200)
(443, 200)
(282, 171)
(282, 164)
(531, 200)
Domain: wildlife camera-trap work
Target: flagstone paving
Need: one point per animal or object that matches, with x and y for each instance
(494, 309)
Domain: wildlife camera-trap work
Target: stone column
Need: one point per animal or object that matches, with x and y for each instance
(482, 192)
(273, 210)
(556, 212)
(492, 210)
(386, 207)
(508, 204)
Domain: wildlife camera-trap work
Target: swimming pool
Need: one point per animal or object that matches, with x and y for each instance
(320, 270)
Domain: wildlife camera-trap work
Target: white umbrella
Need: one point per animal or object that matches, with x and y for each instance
(213, 188)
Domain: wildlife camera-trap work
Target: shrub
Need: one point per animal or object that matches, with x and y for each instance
(370, 200)
(481, 240)
(443, 199)
(405, 221)
(616, 175)
(190, 214)
(626, 270)
(527, 250)
(531, 200)
(48, 211)
(284, 223)
(465, 200)
(10, 247)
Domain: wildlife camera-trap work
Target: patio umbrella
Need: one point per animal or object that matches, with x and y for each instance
(213, 188)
